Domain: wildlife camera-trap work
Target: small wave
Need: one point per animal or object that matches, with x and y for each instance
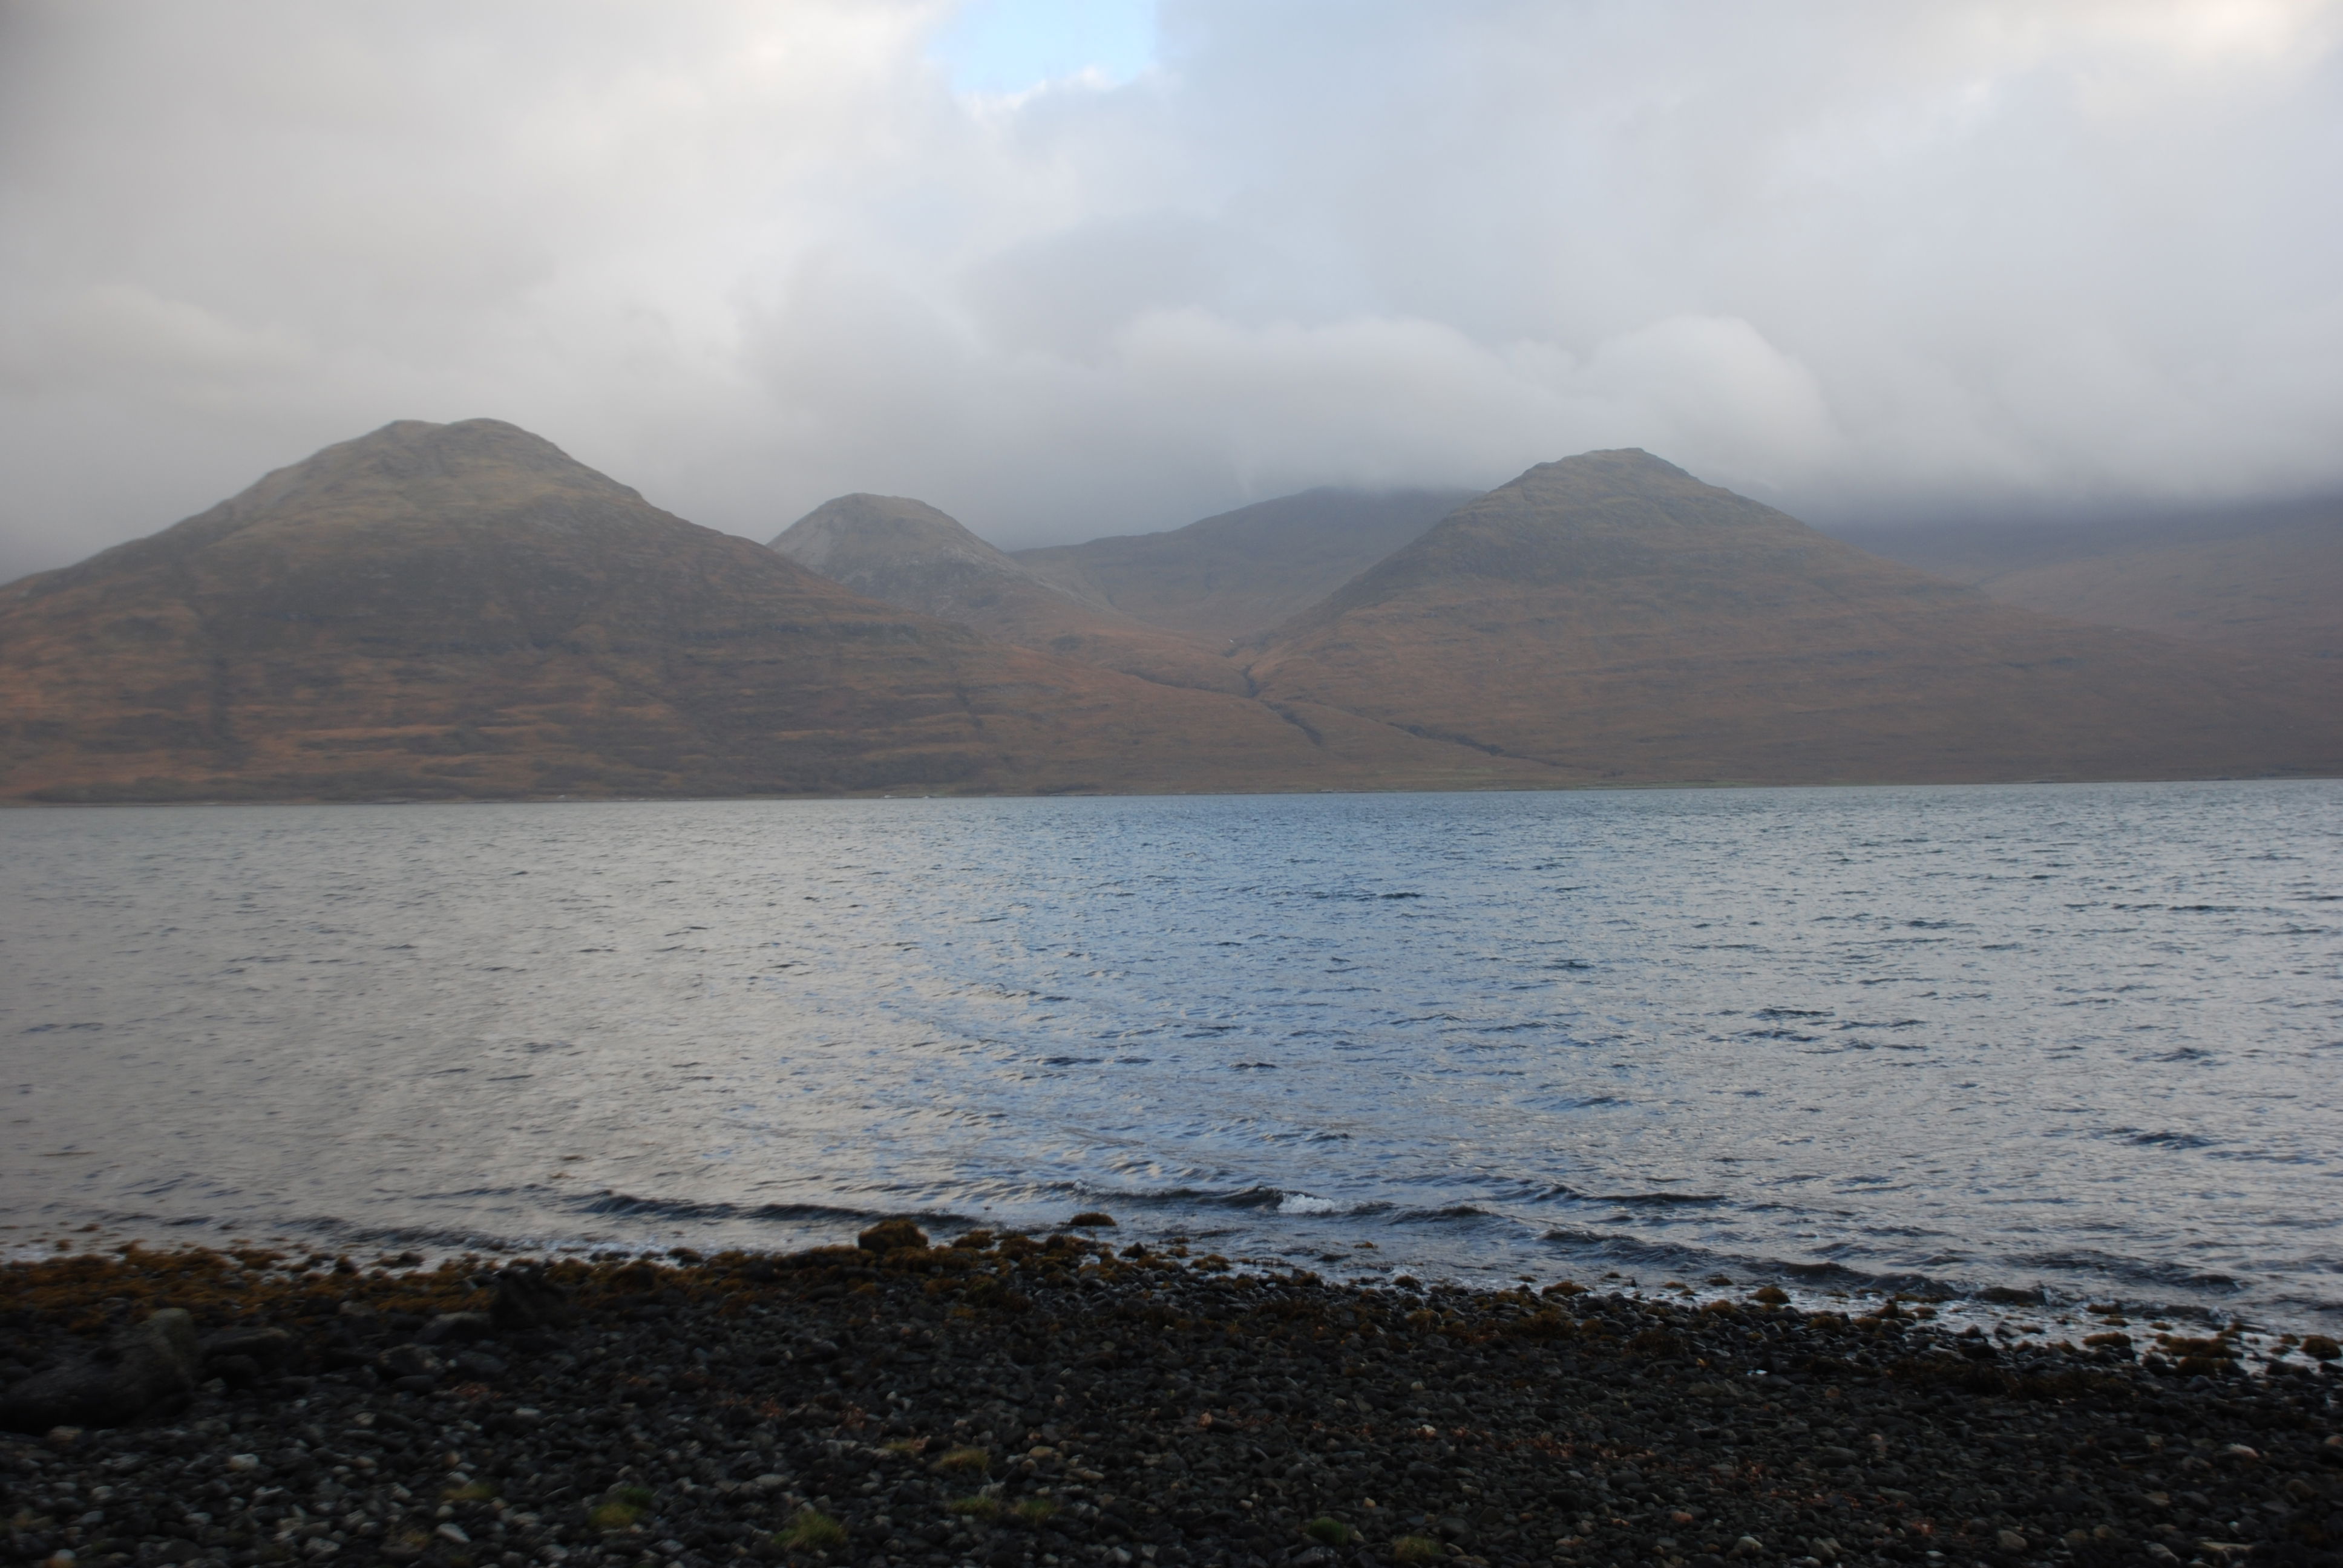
(1274, 1200)
(2077, 1261)
(1662, 1199)
(2164, 1139)
(627, 1204)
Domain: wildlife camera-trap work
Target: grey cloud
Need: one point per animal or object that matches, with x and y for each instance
(1858, 259)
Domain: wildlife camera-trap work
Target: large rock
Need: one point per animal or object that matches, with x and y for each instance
(151, 1367)
(526, 1302)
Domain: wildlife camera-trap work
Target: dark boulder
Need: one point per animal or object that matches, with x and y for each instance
(526, 1302)
(267, 1347)
(459, 1328)
(149, 1368)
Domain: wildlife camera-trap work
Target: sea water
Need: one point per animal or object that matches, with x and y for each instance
(2081, 1038)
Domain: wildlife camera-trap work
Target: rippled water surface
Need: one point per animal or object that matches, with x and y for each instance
(2088, 1037)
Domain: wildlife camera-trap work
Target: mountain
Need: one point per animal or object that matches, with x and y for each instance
(906, 553)
(464, 611)
(1232, 576)
(2261, 580)
(1613, 618)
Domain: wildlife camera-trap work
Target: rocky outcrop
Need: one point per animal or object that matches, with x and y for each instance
(151, 1367)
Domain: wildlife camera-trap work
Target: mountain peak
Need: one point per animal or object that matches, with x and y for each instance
(1613, 609)
(863, 534)
(426, 464)
(1616, 472)
(1619, 461)
(905, 552)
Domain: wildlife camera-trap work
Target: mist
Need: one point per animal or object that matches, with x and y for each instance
(1866, 263)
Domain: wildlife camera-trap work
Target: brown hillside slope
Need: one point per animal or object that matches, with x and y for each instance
(1232, 576)
(2263, 579)
(462, 610)
(1609, 614)
(906, 553)
(2277, 591)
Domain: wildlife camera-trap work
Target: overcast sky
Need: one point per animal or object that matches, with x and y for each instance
(1066, 267)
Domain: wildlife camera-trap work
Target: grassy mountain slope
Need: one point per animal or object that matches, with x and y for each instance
(906, 553)
(1232, 576)
(1609, 615)
(462, 610)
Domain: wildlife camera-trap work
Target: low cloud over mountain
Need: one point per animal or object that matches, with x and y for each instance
(1852, 260)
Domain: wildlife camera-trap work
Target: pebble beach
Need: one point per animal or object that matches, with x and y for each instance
(1023, 1401)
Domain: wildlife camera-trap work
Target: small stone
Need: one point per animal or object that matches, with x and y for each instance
(410, 1361)
(1747, 1546)
(528, 1301)
(479, 1364)
(451, 1530)
(892, 1235)
(243, 1461)
(456, 1328)
(2011, 1542)
(265, 1346)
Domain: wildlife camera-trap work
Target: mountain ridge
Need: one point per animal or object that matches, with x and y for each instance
(1611, 612)
(462, 611)
(1232, 574)
(906, 553)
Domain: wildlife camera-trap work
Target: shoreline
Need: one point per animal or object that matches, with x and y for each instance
(1010, 1401)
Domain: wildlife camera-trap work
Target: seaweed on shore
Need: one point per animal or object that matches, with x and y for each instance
(1010, 1400)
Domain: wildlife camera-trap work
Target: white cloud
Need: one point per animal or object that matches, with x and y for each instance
(746, 255)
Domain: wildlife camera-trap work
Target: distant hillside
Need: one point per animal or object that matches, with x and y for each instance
(462, 610)
(906, 553)
(1232, 576)
(1610, 615)
(2260, 579)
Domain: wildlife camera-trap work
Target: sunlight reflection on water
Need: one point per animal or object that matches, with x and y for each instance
(2087, 1036)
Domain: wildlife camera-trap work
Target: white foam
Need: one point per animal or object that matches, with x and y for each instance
(1304, 1204)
